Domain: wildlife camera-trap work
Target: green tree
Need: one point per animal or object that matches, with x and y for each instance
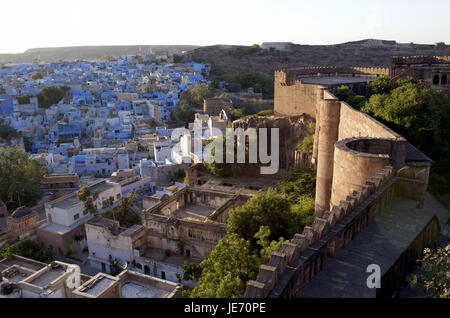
(124, 212)
(194, 96)
(20, 178)
(184, 114)
(261, 82)
(434, 274)
(115, 267)
(265, 209)
(237, 113)
(381, 85)
(344, 93)
(421, 115)
(51, 95)
(7, 132)
(88, 198)
(37, 75)
(30, 249)
(190, 271)
(24, 99)
(232, 263)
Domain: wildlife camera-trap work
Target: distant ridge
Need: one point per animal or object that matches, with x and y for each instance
(367, 53)
(73, 53)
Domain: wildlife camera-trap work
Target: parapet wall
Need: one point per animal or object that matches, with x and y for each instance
(298, 261)
(357, 158)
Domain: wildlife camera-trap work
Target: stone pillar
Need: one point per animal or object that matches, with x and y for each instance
(329, 114)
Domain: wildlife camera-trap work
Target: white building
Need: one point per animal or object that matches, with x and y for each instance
(107, 242)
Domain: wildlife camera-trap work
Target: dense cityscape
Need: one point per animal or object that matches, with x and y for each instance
(263, 171)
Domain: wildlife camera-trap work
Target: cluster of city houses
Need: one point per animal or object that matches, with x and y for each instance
(97, 136)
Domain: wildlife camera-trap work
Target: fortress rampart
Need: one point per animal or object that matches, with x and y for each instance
(297, 262)
(361, 167)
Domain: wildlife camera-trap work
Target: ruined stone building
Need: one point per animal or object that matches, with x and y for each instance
(370, 192)
(182, 226)
(185, 226)
(22, 221)
(213, 106)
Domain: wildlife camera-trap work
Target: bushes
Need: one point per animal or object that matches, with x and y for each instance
(434, 275)
(24, 99)
(261, 82)
(30, 249)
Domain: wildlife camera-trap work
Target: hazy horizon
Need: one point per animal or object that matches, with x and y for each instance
(29, 24)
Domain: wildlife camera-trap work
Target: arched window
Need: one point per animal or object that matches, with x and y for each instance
(436, 80)
(138, 266)
(444, 80)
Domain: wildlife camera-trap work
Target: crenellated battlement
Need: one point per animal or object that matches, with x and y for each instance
(407, 60)
(289, 76)
(298, 261)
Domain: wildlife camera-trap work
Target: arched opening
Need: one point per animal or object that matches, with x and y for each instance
(436, 80)
(444, 80)
(138, 266)
(146, 270)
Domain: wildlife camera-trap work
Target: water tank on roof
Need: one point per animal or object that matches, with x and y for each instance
(6, 288)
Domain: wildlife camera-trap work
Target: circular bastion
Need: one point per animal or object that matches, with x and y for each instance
(358, 159)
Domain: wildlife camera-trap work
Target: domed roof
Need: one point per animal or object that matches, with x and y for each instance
(21, 212)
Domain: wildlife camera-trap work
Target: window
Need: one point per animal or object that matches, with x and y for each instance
(444, 80)
(163, 275)
(436, 80)
(188, 252)
(76, 216)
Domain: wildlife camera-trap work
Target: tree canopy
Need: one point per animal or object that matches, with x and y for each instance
(7, 132)
(88, 198)
(37, 75)
(124, 212)
(231, 265)
(420, 114)
(261, 83)
(434, 272)
(194, 96)
(20, 178)
(30, 249)
(51, 95)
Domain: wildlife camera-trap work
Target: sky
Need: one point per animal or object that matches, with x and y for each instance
(53, 23)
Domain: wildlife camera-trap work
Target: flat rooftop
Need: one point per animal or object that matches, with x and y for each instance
(135, 289)
(68, 202)
(103, 222)
(96, 287)
(333, 80)
(9, 262)
(47, 277)
(101, 186)
(159, 255)
(194, 211)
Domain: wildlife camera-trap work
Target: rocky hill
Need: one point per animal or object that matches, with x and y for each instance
(89, 52)
(233, 59)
